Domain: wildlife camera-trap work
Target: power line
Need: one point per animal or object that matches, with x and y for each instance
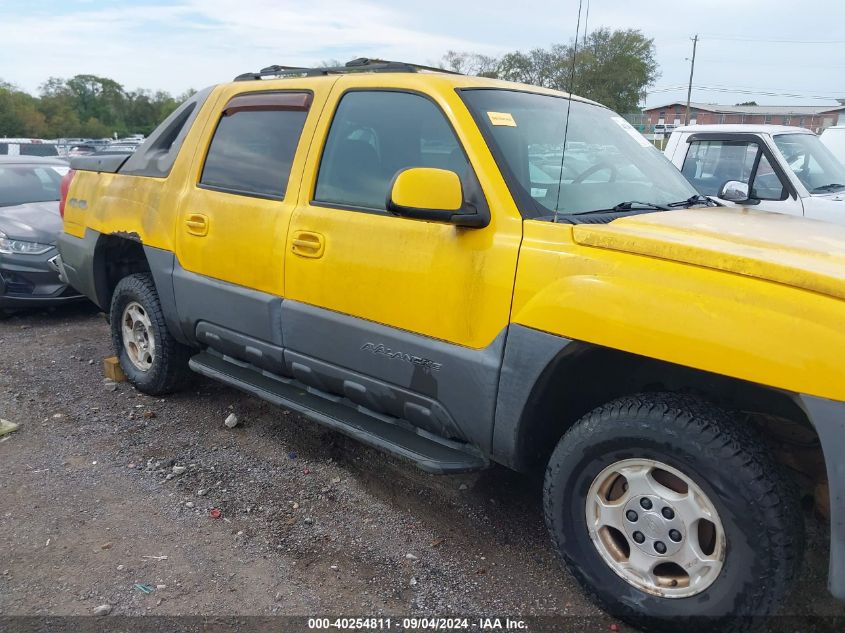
(775, 89)
(772, 91)
(739, 90)
(769, 94)
(778, 90)
(711, 61)
(764, 93)
(732, 38)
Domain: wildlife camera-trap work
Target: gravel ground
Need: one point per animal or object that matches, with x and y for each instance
(103, 488)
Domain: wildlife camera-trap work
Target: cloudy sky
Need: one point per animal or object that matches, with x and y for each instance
(769, 51)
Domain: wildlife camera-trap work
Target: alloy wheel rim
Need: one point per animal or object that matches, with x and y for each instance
(138, 339)
(655, 528)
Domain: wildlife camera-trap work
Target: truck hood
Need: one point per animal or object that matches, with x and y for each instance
(825, 207)
(780, 248)
(33, 222)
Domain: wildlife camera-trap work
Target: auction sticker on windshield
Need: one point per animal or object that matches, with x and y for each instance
(639, 138)
(502, 118)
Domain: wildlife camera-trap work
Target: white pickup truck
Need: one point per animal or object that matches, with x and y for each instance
(834, 139)
(779, 168)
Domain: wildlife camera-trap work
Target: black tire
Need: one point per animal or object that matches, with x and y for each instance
(756, 502)
(169, 369)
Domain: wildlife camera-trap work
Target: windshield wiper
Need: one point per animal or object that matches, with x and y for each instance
(630, 205)
(696, 199)
(834, 186)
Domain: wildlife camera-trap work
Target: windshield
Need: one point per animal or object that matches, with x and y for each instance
(20, 184)
(607, 162)
(817, 169)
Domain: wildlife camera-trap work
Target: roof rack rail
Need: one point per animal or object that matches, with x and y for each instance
(361, 64)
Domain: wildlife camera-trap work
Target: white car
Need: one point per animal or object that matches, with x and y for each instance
(834, 139)
(771, 167)
(28, 147)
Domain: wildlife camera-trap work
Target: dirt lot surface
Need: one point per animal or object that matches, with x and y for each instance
(311, 523)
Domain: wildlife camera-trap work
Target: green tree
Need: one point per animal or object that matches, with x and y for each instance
(182, 98)
(98, 98)
(94, 128)
(611, 67)
(540, 67)
(57, 105)
(83, 106)
(614, 68)
(470, 64)
(19, 114)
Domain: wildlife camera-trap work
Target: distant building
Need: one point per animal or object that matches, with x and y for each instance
(814, 118)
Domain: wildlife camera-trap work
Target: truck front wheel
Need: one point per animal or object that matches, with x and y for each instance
(666, 509)
(150, 357)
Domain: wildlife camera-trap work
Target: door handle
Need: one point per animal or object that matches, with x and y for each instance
(197, 224)
(307, 244)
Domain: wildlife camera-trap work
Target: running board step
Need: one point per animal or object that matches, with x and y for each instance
(430, 455)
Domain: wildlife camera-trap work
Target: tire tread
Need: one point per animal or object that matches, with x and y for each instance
(727, 441)
(172, 371)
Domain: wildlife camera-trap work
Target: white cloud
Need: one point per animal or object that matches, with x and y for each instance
(197, 42)
(193, 43)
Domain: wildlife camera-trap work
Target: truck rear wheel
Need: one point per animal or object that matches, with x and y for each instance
(150, 357)
(666, 509)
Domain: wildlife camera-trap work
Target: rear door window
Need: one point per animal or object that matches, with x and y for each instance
(255, 143)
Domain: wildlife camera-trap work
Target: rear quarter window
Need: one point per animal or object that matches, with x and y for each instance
(155, 157)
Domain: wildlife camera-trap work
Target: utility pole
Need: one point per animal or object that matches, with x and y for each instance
(691, 71)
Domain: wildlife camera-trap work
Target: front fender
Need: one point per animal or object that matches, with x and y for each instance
(828, 418)
(722, 322)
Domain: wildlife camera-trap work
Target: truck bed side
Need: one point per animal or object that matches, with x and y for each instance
(137, 196)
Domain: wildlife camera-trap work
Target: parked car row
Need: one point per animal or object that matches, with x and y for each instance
(67, 147)
(84, 147)
(99, 146)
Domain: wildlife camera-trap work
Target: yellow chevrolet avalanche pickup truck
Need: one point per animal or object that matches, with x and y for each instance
(463, 271)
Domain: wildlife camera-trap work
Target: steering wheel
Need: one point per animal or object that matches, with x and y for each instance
(602, 164)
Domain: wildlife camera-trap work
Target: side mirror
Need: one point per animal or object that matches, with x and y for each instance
(734, 191)
(436, 195)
